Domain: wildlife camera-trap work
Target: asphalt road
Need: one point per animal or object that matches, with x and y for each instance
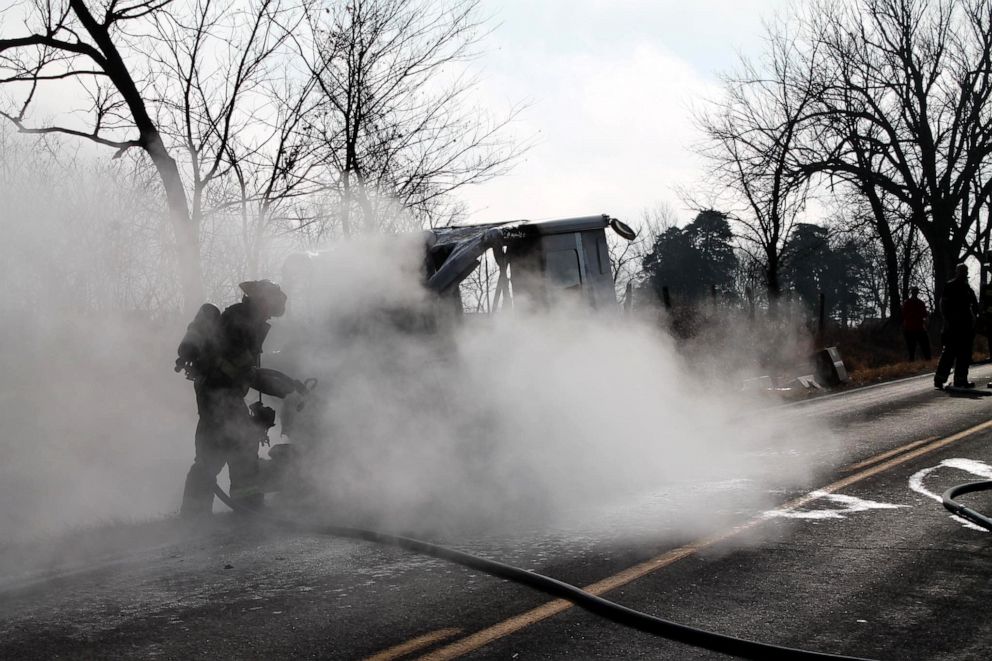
(859, 559)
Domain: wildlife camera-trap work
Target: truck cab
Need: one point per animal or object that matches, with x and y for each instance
(539, 262)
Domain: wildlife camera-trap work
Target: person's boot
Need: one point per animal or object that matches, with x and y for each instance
(198, 495)
(964, 384)
(196, 507)
(938, 383)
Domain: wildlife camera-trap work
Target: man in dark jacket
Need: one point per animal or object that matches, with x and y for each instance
(959, 307)
(222, 357)
(914, 325)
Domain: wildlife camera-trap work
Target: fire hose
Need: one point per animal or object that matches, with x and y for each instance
(605, 608)
(963, 510)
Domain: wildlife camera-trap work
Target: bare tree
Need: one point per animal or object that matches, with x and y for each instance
(905, 87)
(277, 174)
(209, 88)
(229, 99)
(751, 137)
(395, 121)
(68, 41)
(93, 246)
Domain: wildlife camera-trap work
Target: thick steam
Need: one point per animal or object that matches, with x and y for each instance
(543, 418)
(526, 416)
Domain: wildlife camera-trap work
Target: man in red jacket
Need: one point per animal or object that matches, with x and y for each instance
(914, 325)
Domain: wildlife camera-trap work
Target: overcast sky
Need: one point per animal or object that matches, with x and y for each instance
(611, 85)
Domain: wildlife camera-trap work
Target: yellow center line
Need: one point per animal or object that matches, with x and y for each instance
(516, 623)
(885, 455)
(413, 645)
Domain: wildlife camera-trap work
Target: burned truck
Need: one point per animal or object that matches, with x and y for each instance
(377, 297)
(542, 259)
(537, 264)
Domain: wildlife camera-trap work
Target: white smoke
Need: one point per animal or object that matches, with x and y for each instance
(522, 416)
(540, 418)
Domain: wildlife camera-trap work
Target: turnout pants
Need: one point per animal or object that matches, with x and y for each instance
(956, 352)
(225, 434)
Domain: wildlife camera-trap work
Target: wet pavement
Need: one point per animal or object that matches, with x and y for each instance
(874, 567)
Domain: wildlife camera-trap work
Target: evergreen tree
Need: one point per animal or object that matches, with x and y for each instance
(690, 261)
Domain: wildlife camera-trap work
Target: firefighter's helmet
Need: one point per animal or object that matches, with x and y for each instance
(268, 293)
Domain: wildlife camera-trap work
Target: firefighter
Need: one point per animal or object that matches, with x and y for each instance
(221, 355)
(959, 308)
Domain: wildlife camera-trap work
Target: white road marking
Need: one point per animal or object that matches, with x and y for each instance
(973, 466)
(507, 627)
(850, 505)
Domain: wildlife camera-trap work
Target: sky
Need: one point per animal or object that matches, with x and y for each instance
(610, 87)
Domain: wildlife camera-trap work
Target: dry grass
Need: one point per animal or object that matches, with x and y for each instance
(868, 375)
(877, 355)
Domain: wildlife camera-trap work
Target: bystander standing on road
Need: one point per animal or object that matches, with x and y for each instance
(914, 325)
(959, 308)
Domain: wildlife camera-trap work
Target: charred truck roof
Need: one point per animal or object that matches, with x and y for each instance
(543, 258)
(539, 261)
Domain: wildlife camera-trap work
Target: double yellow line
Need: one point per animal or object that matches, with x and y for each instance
(866, 469)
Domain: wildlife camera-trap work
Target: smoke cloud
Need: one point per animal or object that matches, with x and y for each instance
(530, 417)
(533, 418)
